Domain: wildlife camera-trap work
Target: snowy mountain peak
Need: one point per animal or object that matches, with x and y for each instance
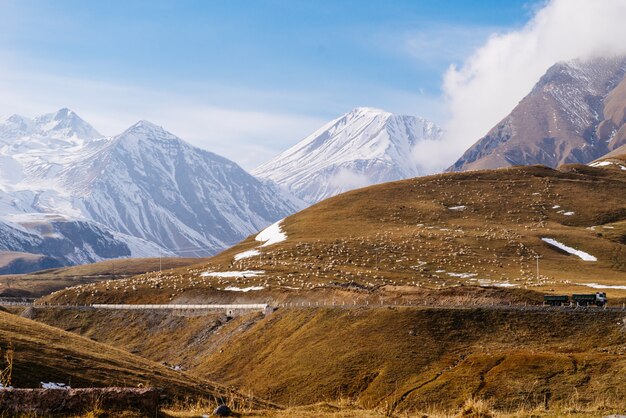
(140, 193)
(63, 125)
(147, 130)
(368, 111)
(365, 146)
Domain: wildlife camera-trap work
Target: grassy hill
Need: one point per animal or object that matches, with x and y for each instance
(483, 228)
(44, 282)
(46, 354)
(457, 242)
(401, 359)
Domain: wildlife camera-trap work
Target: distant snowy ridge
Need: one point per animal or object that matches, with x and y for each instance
(144, 192)
(363, 147)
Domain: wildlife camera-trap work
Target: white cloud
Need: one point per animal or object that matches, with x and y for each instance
(348, 180)
(488, 85)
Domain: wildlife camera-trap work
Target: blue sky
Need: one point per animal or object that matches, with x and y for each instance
(242, 78)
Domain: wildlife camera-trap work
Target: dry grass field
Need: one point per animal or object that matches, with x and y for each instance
(480, 228)
(454, 244)
(42, 353)
(400, 360)
(46, 281)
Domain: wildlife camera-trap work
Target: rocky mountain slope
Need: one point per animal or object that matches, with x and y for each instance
(576, 113)
(363, 147)
(70, 193)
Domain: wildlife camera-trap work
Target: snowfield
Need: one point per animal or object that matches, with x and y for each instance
(463, 275)
(247, 254)
(52, 385)
(581, 254)
(606, 164)
(273, 234)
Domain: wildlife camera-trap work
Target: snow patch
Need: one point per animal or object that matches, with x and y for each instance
(601, 164)
(460, 207)
(52, 385)
(247, 254)
(583, 255)
(229, 274)
(604, 286)
(607, 163)
(463, 275)
(244, 289)
(273, 234)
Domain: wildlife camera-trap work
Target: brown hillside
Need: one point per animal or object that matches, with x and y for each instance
(480, 228)
(47, 354)
(407, 358)
(43, 282)
(411, 358)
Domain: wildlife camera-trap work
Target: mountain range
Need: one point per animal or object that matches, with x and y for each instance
(69, 192)
(363, 147)
(575, 113)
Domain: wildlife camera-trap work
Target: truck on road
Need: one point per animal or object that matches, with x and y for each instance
(580, 299)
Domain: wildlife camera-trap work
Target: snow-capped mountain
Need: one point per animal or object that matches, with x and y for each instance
(68, 192)
(363, 147)
(574, 114)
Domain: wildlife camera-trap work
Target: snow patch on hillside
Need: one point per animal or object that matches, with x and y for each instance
(231, 274)
(581, 254)
(273, 234)
(243, 289)
(247, 254)
(604, 286)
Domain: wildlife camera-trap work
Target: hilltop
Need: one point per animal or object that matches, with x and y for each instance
(448, 231)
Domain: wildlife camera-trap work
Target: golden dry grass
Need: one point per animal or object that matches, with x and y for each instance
(404, 234)
(399, 242)
(42, 353)
(47, 281)
(404, 359)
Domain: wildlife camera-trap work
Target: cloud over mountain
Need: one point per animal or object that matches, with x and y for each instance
(486, 87)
